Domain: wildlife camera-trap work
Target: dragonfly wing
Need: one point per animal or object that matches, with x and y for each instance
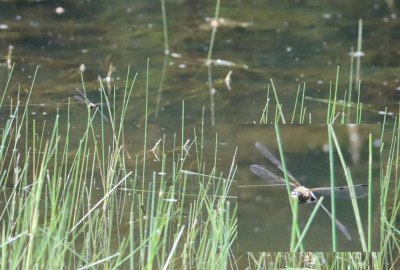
(80, 91)
(338, 224)
(343, 192)
(267, 175)
(104, 104)
(268, 154)
(105, 117)
(83, 95)
(79, 98)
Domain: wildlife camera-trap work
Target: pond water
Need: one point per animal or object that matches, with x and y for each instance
(291, 42)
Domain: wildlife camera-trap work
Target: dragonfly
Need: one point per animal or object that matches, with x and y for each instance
(94, 106)
(302, 193)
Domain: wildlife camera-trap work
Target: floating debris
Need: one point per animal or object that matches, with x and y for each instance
(357, 54)
(228, 80)
(176, 55)
(327, 16)
(220, 62)
(171, 200)
(155, 149)
(223, 22)
(385, 112)
(60, 10)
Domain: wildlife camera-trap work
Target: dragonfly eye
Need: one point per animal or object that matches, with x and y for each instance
(297, 194)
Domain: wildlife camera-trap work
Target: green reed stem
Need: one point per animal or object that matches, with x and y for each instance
(332, 177)
(370, 194)
(295, 104)
(359, 50)
(333, 113)
(328, 111)
(182, 130)
(295, 227)
(383, 125)
(294, 224)
(350, 82)
(145, 126)
(309, 222)
(164, 15)
(351, 189)
(302, 108)
(214, 31)
(358, 116)
(7, 84)
(277, 103)
(344, 108)
(264, 116)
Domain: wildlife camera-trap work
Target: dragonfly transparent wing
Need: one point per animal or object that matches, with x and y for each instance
(110, 104)
(343, 192)
(83, 99)
(268, 154)
(267, 175)
(105, 117)
(338, 224)
(79, 98)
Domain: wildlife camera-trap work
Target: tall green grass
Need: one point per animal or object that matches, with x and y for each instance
(53, 216)
(87, 206)
(388, 182)
(389, 196)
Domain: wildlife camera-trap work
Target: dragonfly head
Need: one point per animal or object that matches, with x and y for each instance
(302, 194)
(297, 194)
(92, 105)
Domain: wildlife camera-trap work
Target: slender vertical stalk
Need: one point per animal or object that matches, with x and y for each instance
(333, 113)
(264, 116)
(370, 194)
(212, 93)
(277, 103)
(351, 190)
(309, 222)
(161, 85)
(302, 108)
(359, 50)
(164, 15)
(295, 227)
(214, 31)
(328, 111)
(145, 126)
(183, 129)
(344, 107)
(332, 177)
(359, 106)
(7, 84)
(295, 104)
(294, 224)
(350, 83)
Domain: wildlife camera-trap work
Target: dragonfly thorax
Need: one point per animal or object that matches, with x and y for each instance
(92, 105)
(303, 194)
